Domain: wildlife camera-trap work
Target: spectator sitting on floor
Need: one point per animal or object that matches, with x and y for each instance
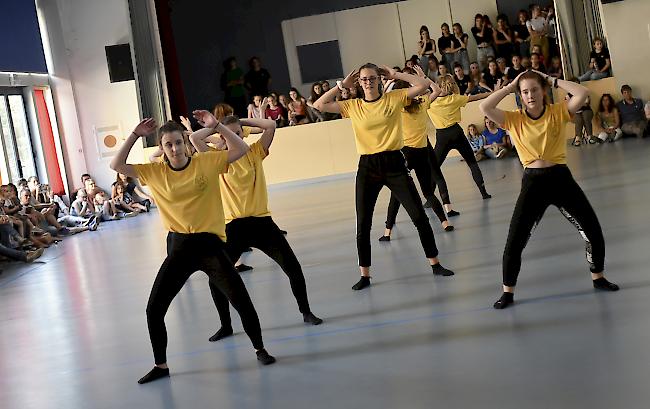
(608, 120)
(276, 112)
(477, 85)
(44, 221)
(133, 189)
(124, 202)
(496, 140)
(477, 142)
(633, 119)
(492, 77)
(12, 207)
(106, 209)
(297, 108)
(255, 109)
(599, 62)
(7, 248)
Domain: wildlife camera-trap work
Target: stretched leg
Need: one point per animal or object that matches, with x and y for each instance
(402, 185)
(234, 247)
(529, 209)
(575, 207)
(443, 145)
(437, 176)
(266, 236)
(465, 149)
(173, 273)
(418, 160)
(367, 191)
(393, 209)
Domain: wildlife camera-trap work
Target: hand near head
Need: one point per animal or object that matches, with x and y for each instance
(387, 72)
(145, 127)
(186, 123)
(265, 103)
(351, 79)
(418, 71)
(205, 118)
(515, 83)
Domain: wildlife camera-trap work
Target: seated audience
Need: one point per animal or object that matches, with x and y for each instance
(256, 108)
(496, 140)
(463, 81)
(477, 85)
(555, 70)
(297, 108)
(432, 72)
(9, 249)
(633, 119)
(316, 92)
(477, 142)
(45, 221)
(276, 112)
(536, 63)
(133, 189)
(492, 77)
(599, 62)
(608, 120)
(124, 202)
(583, 126)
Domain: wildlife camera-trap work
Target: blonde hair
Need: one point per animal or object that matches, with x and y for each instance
(448, 85)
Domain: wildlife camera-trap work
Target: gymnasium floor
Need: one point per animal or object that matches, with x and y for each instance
(73, 332)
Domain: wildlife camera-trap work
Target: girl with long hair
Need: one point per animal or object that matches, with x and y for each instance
(536, 131)
(376, 121)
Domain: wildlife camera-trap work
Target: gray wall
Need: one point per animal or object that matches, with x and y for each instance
(207, 32)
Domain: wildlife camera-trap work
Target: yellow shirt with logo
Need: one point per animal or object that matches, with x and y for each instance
(414, 125)
(189, 199)
(377, 125)
(243, 187)
(539, 138)
(445, 111)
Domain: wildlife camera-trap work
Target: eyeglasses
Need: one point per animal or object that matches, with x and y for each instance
(369, 79)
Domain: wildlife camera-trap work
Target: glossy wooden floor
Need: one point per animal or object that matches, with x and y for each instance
(73, 330)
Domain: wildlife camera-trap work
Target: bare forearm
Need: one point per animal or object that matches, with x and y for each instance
(326, 103)
(118, 163)
(258, 123)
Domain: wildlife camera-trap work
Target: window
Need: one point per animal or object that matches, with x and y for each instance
(17, 159)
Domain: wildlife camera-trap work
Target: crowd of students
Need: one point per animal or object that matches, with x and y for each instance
(32, 218)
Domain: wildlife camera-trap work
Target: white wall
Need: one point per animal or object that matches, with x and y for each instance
(627, 27)
(82, 90)
(386, 34)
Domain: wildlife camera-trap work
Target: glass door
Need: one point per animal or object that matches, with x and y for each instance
(17, 159)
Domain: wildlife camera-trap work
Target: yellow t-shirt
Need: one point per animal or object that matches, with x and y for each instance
(189, 200)
(377, 125)
(445, 111)
(539, 138)
(243, 188)
(414, 126)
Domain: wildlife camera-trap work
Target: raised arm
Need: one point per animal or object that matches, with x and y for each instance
(579, 93)
(418, 86)
(236, 145)
(118, 164)
(489, 106)
(479, 97)
(327, 101)
(267, 125)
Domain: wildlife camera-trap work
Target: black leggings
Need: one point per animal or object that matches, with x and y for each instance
(539, 189)
(187, 253)
(261, 233)
(437, 176)
(388, 169)
(454, 138)
(417, 159)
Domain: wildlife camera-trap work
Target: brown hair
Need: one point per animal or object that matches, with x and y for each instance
(222, 110)
(170, 127)
(532, 75)
(414, 103)
(448, 84)
(230, 119)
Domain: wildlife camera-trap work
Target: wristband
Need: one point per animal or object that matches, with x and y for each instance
(555, 83)
(136, 134)
(339, 85)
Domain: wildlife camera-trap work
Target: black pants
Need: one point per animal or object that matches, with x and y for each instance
(417, 159)
(261, 233)
(539, 189)
(388, 169)
(6, 231)
(187, 253)
(437, 176)
(454, 138)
